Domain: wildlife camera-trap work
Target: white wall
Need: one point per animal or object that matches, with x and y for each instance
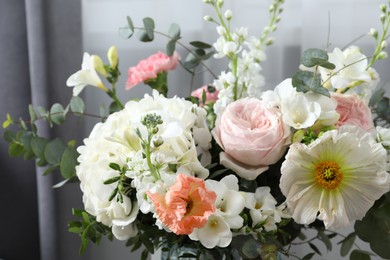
(304, 24)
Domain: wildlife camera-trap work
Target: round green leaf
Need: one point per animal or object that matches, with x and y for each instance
(38, 145)
(312, 57)
(69, 162)
(57, 114)
(174, 31)
(359, 255)
(77, 105)
(54, 151)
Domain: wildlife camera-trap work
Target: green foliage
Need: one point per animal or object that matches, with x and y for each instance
(305, 81)
(147, 34)
(377, 219)
(88, 229)
(380, 106)
(77, 105)
(316, 57)
(346, 244)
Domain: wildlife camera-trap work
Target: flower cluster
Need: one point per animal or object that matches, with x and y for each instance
(234, 160)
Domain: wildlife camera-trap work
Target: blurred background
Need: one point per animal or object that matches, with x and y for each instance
(41, 44)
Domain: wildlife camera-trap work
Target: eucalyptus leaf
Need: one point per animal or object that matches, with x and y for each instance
(77, 105)
(49, 170)
(359, 255)
(54, 150)
(16, 149)
(308, 256)
(305, 81)
(201, 45)
(38, 145)
(170, 47)
(130, 23)
(346, 244)
(315, 57)
(69, 162)
(57, 115)
(149, 29)
(250, 248)
(174, 31)
(33, 114)
(315, 248)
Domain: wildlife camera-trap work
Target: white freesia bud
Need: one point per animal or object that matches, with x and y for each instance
(382, 55)
(383, 45)
(228, 14)
(220, 3)
(112, 56)
(207, 1)
(98, 65)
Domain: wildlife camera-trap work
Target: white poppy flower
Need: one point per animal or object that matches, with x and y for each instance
(336, 178)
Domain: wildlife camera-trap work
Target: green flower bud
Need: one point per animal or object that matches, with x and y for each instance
(112, 56)
(382, 55)
(98, 65)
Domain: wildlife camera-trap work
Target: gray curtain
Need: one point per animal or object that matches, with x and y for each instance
(40, 46)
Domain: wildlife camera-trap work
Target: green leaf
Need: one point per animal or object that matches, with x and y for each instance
(8, 121)
(130, 23)
(359, 255)
(15, 149)
(201, 45)
(325, 239)
(33, 114)
(49, 170)
(125, 32)
(250, 248)
(54, 150)
(26, 141)
(69, 162)
(77, 105)
(315, 248)
(147, 35)
(114, 107)
(315, 57)
(9, 136)
(308, 256)
(346, 244)
(115, 166)
(170, 48)
(38, 145)
(57, 115)
(42, 111)
(174, 31)
(305, 81)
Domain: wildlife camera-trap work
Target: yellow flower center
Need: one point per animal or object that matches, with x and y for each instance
(328, 175)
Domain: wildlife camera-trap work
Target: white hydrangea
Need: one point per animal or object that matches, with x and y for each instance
(116, 141)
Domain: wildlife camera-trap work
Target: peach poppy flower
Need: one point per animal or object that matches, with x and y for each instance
(186, 205)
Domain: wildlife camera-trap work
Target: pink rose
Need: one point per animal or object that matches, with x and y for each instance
(353, 111)
(210, 96)
(150, 67)
(252, 136)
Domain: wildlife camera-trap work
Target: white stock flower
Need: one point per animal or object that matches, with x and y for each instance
(86, 76)
(383, 135)
(336, 178)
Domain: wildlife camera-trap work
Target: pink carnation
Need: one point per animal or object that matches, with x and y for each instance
(210, 97)
(150, 67)
(186, 205)
(353, 111)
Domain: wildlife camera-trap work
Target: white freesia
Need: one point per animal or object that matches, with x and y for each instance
(229, 203)
(86, 76)
(336, 178)
(351, 68)
(298, 111)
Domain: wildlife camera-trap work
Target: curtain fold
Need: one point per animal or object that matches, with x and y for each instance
(40, 45)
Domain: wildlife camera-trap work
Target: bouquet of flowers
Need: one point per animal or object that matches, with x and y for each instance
(233, 170)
